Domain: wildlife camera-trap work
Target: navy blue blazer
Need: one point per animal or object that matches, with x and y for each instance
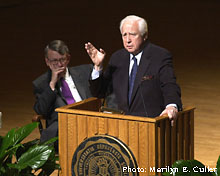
(155, 84)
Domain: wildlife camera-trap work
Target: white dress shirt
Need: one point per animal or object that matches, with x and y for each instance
(72, 86)
(138, 57)
(95, 74)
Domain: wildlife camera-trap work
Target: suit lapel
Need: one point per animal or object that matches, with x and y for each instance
(142, 68)
(79, 86)
(125, 76)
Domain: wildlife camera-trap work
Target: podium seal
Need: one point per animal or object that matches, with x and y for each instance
(103, 155)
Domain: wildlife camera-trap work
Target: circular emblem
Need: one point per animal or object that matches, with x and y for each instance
(103, 155)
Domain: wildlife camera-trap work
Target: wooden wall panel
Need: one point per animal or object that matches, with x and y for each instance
(173, 144)
(143, 150)
(102, 125)
(180, 138)
(123, 132)
(161, 144)
(186, 136)
(92, 126)
(191, 114)
(133, 138)
(82, 128)
(167, 143)
(153, 157)
(153, 145)
(113, 127)
(62, 120)
(72, 138)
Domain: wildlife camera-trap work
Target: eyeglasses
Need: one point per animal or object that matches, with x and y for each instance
(56, 61)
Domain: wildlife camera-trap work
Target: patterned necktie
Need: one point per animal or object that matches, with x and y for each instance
(66, 92)
(132, 78)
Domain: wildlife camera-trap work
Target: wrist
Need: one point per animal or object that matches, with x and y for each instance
(98, 68)
(52, 86)
(172, 105)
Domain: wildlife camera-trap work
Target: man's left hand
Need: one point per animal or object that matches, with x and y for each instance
(171, 111)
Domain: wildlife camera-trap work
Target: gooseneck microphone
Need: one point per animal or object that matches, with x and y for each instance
(142, 99)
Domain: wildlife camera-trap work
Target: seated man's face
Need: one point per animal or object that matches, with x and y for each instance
(56, 61)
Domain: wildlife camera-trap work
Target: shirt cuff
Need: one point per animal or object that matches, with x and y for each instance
(95, 74)
(172, 104)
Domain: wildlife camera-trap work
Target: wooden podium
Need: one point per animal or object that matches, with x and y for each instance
(154, 143)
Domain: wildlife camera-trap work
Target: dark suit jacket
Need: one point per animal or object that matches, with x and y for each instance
(155, 84)
(47, 100)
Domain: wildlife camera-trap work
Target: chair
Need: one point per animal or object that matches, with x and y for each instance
(41, 120)
(0, 119)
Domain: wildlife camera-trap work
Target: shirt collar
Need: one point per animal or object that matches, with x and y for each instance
(67, 75)
(138, 57)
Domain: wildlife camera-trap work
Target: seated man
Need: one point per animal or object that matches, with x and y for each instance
(59, 86)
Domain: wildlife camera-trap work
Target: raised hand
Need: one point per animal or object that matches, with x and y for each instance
(97, 56)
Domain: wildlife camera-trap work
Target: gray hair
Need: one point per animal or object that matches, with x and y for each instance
(58, 46)
(142, 24)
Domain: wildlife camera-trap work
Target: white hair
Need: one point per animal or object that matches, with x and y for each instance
(142, 24)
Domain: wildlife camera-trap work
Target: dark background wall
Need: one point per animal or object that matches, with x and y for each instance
(189, 29)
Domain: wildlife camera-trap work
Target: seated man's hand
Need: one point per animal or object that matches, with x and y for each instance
(57, 73)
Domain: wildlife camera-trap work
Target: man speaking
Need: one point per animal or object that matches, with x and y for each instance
(141, 74)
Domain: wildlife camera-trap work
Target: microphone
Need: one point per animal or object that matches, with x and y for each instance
(109, 110)
(142, 98)
(110, 100)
